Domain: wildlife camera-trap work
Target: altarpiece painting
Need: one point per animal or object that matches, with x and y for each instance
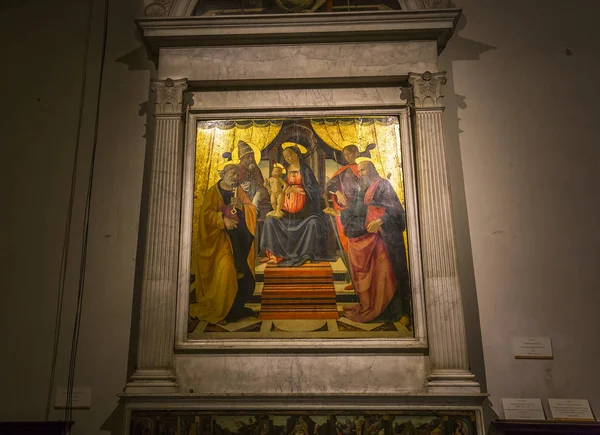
(299, 230)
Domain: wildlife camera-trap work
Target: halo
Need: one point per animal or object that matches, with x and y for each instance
(364, 159)
(236, 152)
(280, 166)
(375, 164)
(301, 148)
(347, 143)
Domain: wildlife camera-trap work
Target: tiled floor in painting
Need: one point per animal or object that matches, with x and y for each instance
(252, 327)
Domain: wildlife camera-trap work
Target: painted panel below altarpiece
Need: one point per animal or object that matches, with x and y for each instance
(299, 230)
(304, 423)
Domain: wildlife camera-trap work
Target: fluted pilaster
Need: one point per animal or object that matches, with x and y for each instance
(154, 371)
(449, 367)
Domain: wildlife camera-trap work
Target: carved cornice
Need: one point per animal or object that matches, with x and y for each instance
(297, 401)
(169, 96)
(180, 32)
(427, 89)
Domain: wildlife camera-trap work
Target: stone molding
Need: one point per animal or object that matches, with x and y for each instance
(182, 32)
(185, 8)
(427, 89)
(319, 401)
(169, 96)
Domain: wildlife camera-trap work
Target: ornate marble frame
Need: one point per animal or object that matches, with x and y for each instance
(418, 341)
(349, 63)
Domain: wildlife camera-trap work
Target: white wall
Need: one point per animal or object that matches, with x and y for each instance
(529, 151)
(522, 144)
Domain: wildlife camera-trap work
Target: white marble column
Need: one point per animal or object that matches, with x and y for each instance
(154, 372)
(449, 368)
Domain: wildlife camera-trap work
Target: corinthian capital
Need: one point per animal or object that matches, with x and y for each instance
(169, 96)
(427, 88)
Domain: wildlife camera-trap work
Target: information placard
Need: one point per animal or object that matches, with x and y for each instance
(532, 348)
(523, 409)
(80, 399)
(571, 409)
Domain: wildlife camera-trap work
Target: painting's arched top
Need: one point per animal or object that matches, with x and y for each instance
(186, 8)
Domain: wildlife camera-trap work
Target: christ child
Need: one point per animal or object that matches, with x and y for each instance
(276, 187)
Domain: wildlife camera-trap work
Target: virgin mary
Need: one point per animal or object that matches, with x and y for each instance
(301, 235)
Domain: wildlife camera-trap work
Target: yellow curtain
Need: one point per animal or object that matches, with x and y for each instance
(383, 132)
(214, 138)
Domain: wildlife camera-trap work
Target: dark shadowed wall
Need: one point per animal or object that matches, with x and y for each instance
(524, 155)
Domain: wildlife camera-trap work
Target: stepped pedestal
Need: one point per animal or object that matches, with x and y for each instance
(304, 292)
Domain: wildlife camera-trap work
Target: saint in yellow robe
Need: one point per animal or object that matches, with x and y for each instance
(217, 281)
